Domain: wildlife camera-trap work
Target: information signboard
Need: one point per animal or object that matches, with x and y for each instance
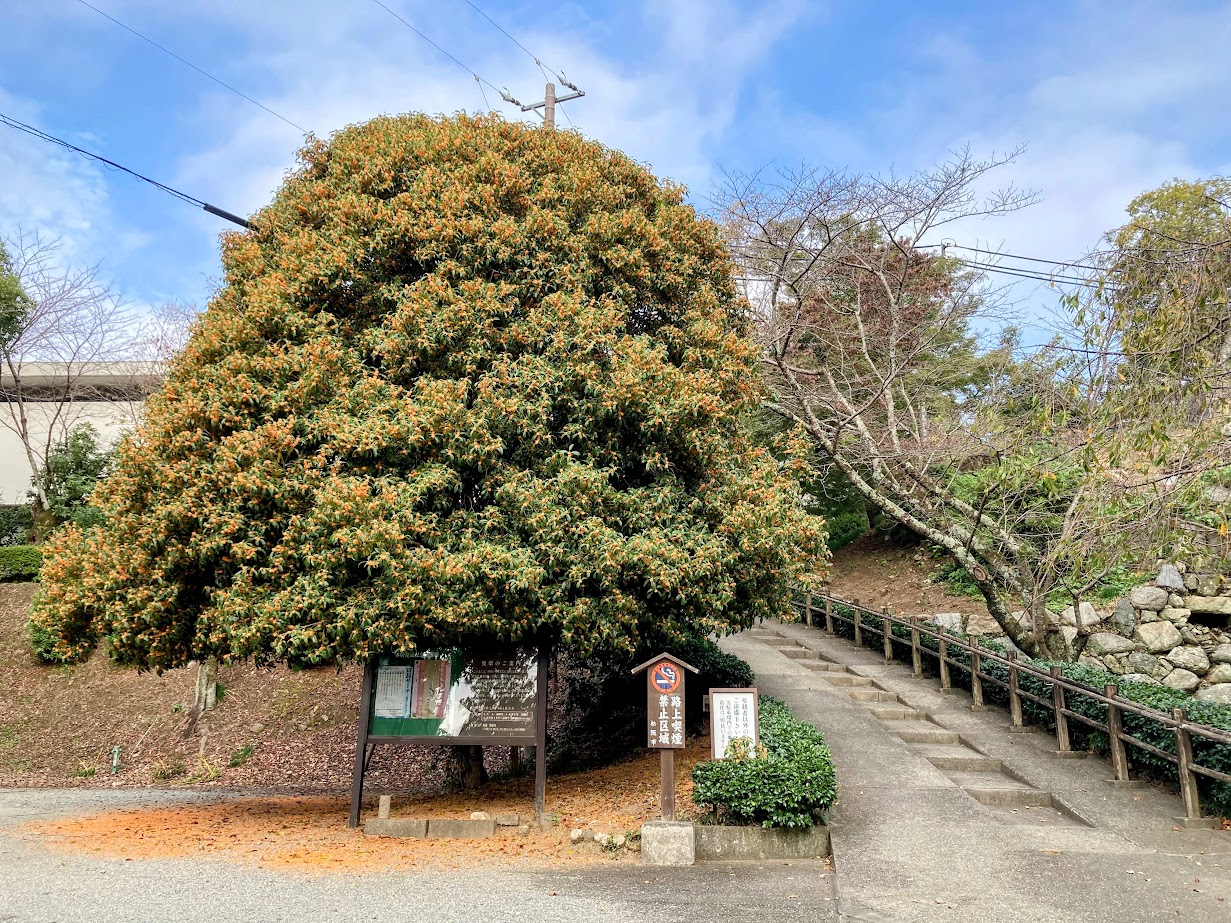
(733, 714)
(486, 697)
(458, 694)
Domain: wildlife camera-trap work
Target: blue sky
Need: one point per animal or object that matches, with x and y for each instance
(1111, 98)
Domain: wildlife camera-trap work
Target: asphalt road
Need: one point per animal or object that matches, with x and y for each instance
(38, 886)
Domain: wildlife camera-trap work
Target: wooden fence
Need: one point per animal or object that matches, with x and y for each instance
(881, 623)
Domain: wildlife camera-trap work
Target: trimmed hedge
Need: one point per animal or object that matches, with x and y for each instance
(1215, 796)
(791, 783)
(20, 562)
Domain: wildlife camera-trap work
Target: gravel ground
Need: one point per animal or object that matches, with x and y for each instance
(39, 886)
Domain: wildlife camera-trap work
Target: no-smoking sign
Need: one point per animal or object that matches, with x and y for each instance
(665, 678)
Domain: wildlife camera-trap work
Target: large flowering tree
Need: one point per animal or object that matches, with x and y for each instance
(463, 381)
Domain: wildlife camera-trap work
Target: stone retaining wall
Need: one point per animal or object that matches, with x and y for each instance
(1175, 631)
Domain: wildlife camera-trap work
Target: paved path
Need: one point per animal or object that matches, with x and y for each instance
(946, 815)
(39, 886)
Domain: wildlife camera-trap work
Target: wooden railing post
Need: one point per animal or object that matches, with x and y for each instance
(829, 615)
(808, 609)
(858, 625)
(887, 628)
(1184, 750)
(945, 683)
(916, 656)
(976, 681)
(1062, 722)
(1015, 698)
(1115, 727)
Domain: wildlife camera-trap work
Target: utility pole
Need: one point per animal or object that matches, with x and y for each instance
(548, 105)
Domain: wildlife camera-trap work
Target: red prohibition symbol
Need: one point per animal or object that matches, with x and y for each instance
(665, 678)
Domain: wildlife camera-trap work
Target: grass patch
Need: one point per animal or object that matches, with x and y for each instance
(241, 756)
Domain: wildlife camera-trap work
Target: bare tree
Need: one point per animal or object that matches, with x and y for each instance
(868, 350)
(57, 346)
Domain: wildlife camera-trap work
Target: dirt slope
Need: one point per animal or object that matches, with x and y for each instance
(880, 574)
(58, 725)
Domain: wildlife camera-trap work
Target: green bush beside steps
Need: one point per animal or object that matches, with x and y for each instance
(790, 782)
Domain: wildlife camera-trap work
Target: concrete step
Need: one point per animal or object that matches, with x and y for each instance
(823, 666)
(847, 679)
(957, 757)
(891, 712)
(872, 695)
(987, 780)
(1011, 797)
(797, 653)
(921, 732)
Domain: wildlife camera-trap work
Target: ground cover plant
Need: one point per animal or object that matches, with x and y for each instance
(789, 781)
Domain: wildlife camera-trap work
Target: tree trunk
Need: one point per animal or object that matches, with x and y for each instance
(207, 686)
(472, 772)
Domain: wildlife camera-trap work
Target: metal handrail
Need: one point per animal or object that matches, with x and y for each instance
(1177, 721)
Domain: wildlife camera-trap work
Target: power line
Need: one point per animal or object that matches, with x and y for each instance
(473, 73)
(1026, 274)
(203, 73)
(182, 196)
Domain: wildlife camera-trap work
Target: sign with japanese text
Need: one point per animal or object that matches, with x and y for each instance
(733, 714)
(456, 694)
(665, 706)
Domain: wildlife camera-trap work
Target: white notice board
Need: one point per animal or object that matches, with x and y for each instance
(733, 713)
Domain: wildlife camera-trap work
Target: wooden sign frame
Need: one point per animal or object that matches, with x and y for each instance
(366, 743)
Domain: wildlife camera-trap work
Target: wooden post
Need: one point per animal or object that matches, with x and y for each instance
(514, 760)
(858, 625)
(808, 609)
(916, 656)
(1062, 722)
(1115, 727)
(887, 628)
(976, 681)
(540, 736)
(945, 682)
(361, 741)
(667, 798)
(1015, 698)
(1184, 750)
(829, 615)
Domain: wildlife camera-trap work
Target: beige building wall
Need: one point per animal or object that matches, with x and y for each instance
(110, 418)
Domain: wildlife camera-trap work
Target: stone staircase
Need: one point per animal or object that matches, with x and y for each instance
(983, 778)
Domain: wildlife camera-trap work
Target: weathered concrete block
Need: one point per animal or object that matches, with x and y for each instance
(508, 820)
(668, 842)
(727, 843)
(447, 829)
(383, 810)
(396, 826)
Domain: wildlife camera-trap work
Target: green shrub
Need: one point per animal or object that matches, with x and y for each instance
(790, 784)
(20, 562)
(16, 524)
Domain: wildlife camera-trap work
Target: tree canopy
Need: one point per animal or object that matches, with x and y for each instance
(463, 381)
